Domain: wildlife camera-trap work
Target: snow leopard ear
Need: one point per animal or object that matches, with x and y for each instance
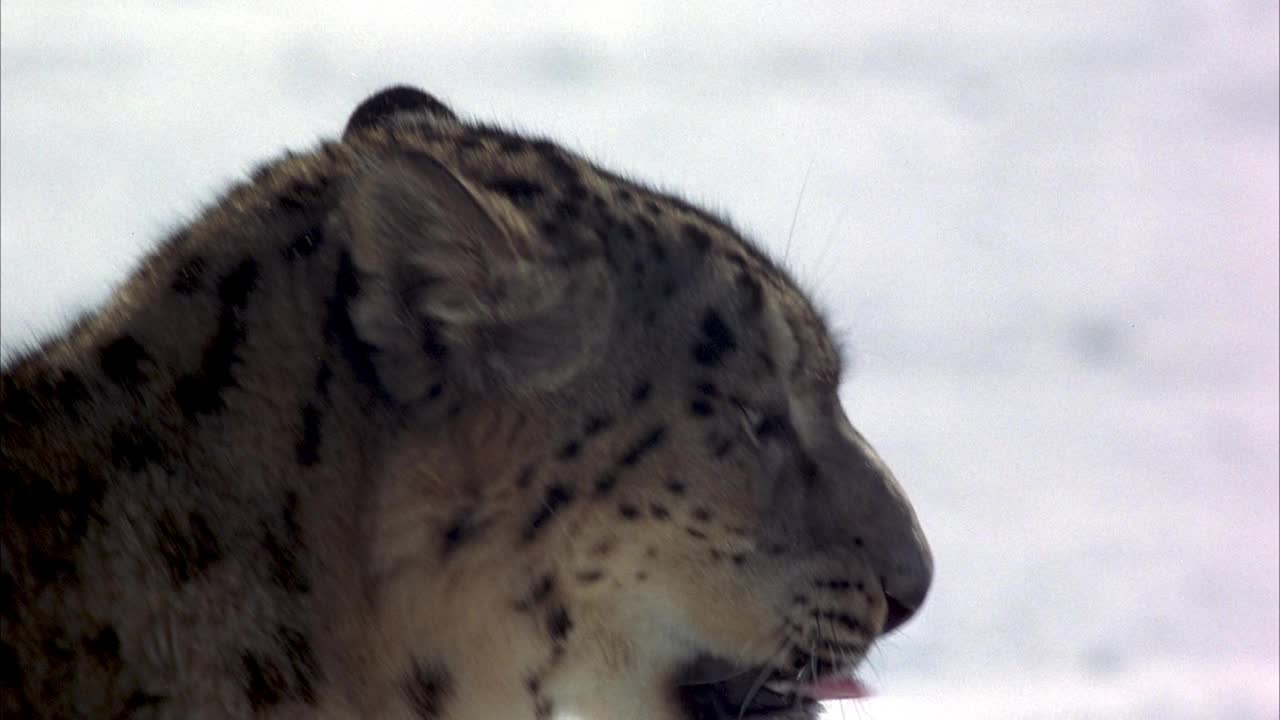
(379, 108)
(457, 286)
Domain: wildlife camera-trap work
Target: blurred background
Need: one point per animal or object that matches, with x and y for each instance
(1047, 231)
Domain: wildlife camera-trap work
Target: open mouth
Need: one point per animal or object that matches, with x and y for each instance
(713, 689)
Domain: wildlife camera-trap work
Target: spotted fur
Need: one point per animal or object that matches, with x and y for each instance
(440, 421)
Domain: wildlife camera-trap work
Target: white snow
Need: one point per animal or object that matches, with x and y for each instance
(1047, 230)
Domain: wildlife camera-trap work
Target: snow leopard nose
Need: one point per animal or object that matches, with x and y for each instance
(905, 561)
(897, 614)
(905, 589)
(858, 504)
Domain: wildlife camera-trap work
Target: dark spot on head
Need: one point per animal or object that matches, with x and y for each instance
(717, 341)
(559, 624)
(55, 523)
(700, 408)
(104, 647)
(264, 683)
(698, 237)
(465, 526)
(659, 512)
(752, 289)
(235, 286)
(426, 688)
(283, 542)
(454, 535)
(608, 244)
(139, 699)
(200, 393)
(321, 383)
(70, 391)
(695, 532)
(628, 511)
(519, 191)
(189, 276)
(302, 662)
(649, 441)
(701, 514)
(675, 486)
(739, 559)
(556, 162)
(262, 173)
(10, 671)
(557, 497)
(641, 392)
(808, 472)
(641, 576)
(20, 406)
(595, 425)
(432, 345)
(340, 331)
(658, 252)
(542, 588)
(188, 552)
(525, 478)
(307, 451)
(435, 391)
(708, 388)
(721, 447)
(605, 483)
(206, 549)
(122, 361)
(134, 447)
(570, 450)
(511, 145)
(298, 196)
(8, 587)
(588, 577)
(539, 590)
(566, 210)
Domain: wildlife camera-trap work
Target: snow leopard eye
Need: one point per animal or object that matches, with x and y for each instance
(760, 426)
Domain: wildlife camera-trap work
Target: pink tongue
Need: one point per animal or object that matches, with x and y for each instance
(837, 689)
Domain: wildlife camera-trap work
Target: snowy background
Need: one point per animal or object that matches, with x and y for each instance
(1048, 231)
